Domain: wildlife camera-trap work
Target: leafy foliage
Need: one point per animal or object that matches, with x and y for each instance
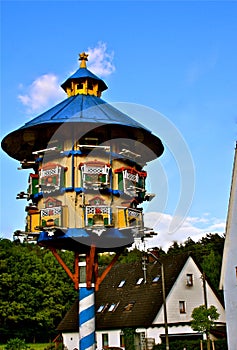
(129, 334)
(203, 318)
(35, 291)
(16, 344)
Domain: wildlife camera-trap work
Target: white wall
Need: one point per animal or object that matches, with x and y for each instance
(229, 263)
(71, 340)
(114, 338)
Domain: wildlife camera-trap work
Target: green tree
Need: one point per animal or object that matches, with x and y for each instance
(129, 334)
(35, 291)
(212, 266)
(203, 320)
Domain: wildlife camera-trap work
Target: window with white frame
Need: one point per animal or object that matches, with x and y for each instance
(94, 174)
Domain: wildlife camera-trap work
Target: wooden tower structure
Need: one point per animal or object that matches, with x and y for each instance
(86, 184)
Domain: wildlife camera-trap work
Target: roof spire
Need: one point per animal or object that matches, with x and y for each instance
(83, 58)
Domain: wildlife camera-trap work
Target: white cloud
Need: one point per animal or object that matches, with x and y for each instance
(100, 61)
(192, 227)
(43, 91)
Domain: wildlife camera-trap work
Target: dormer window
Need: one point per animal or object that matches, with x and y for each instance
(129, 306)
(113, 307)
(156, 279)
(139, 281)
(121, 284)
(101, 308)
(189, 280)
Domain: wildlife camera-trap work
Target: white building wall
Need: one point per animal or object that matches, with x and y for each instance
(193, 296)
(113, 338)
(228, 280)
(71, 340)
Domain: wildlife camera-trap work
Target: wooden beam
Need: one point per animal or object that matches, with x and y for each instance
(90, 264)
(74, 276)
(106, 271)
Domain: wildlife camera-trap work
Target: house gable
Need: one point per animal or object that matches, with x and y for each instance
(187, 293)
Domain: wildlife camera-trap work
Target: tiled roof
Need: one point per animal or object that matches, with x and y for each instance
(143, 301)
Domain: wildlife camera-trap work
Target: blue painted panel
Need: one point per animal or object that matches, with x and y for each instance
(77, 239)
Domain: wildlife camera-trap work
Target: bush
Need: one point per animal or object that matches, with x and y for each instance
(16, 344)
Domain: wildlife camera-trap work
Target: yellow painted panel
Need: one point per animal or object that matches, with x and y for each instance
(34, 222)
(121, 218)
(65, 217)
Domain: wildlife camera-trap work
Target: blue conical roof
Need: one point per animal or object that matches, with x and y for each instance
(84, 108)
(81, 112)
(83, 73)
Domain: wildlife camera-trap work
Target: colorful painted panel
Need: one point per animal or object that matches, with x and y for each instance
(33, 184)
(94, 174)
(51, 178)
(51, 216)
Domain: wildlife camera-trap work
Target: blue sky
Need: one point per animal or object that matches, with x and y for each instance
(178, 59)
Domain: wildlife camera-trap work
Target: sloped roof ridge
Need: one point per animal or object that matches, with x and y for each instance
(55, 110)
(207, 279)
(82, 108)
(147, 297)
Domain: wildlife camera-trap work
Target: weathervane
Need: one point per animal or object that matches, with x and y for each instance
(83, 58)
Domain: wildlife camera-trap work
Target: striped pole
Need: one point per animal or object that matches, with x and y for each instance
(86, 318)
(86, 309)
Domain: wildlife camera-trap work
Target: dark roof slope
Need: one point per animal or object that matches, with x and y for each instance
(144, 300)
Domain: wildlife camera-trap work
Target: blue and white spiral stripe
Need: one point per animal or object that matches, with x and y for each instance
(86, 318)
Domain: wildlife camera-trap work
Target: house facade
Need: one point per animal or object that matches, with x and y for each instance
(131, 297)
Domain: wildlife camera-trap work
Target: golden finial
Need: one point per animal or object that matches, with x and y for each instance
(83, 58)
